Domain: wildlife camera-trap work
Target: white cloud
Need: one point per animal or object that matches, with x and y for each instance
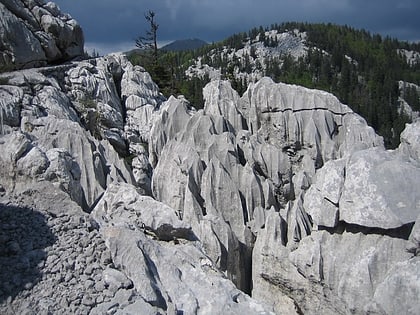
(106, 48)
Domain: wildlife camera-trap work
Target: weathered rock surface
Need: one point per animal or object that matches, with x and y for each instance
(52, 260)
(35, 33)
(372, 188)
(66, 138)
(114, 200)
(315, 164)
(172, 277)
(379, 190)
(410, 141)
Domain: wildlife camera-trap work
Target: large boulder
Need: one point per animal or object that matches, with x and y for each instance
(380, 190)
(35, 33)
(410, 141)
(358, 276)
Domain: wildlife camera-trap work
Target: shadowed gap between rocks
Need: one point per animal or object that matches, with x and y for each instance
(278, 110)
(24, 236)
(402, 232)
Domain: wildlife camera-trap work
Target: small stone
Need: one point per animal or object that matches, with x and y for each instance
(89, 270)
(90, 259)
(100, 286)
(88, 301)
(113, 309)
(106, 258)
(110, 292)
(90, 251)
(55, 268)
(64, 303)
(41, 264)
(99, 299)
(114, 277)
(51, 259)
(89, 284)
(28, 286)
(68, 277)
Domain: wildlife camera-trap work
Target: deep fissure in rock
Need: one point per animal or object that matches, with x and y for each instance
(402, 232)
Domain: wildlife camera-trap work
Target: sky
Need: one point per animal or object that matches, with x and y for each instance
(113, 25)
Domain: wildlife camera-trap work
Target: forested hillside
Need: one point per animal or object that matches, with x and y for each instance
(372, 74)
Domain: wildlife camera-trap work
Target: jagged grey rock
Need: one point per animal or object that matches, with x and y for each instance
(173, 118)
(161, 273)
(410, 141)
(143, 211)
(113, 277)
(177, 164)
(51, 118)
(379, 190)
(414, 245)
(221, 99)
(273, 192)
(323, 197)
(307, 119)
(401, 284)
(358, 269)
(36, 33)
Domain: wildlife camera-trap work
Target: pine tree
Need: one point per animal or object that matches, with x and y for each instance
(149, 41)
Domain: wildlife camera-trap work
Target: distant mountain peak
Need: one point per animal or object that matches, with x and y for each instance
(185, 44)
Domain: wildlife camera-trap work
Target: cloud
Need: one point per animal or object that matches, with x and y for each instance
(110, 21)
(173, 7)
(104, 48)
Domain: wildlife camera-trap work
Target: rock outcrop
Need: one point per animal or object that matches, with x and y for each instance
(35, 33)
(69, 135)
(114, 200)
(175, 277)
(297, 177)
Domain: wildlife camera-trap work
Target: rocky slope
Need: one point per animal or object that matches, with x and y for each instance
(35, 33)
(114, 200)
(249, 63)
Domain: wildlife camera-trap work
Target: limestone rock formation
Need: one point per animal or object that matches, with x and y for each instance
(35, 33)
(171, 278)
(68, 137)
(114, 200)
(308, 179)
(410, 141)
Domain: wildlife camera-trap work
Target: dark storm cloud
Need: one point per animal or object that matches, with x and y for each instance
(110, 22)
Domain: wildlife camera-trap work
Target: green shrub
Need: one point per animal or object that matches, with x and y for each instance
(89, 103)
(4, 80)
